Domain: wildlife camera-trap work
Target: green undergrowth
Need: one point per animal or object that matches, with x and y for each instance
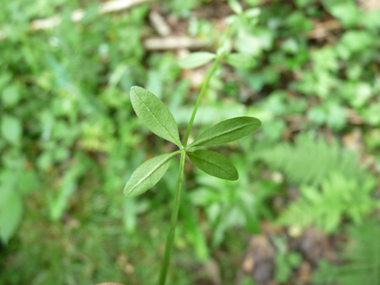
(85, 247)
(360, 255)
(332, 183)
(69, 141)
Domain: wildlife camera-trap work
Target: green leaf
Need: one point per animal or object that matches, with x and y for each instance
(196, 59)
(252, 13)
(11, 96)
(213, 163)
(10, 216)
(148, 174)
(194, 232)
(240, 60)
(154, 114)
(69, 184)
(227, 131)
(344, 10)
(27, 181)
(130, 215)
(11, 129)
(8, 182)
(235, 6)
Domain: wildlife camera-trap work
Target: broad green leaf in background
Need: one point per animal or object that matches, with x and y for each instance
(344, 10)
(214, 164)
(193, 230)
(148, 174)
(11, 95)
(8, 182)
(68, 186)
(252, 13)
(129, 215)
(27, 181)
(154, 114)
(11, 129)
(10, 216)
(240, 60)
(235, 6)
(227, 131)
(196, 59)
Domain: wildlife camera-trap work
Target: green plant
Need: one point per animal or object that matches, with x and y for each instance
(361, 257)
(53, 118)
(332, 183)
(15, 183)
(339, 196)
(285, 259)
(69, 140)
(311, 161)
(157, 117)
(228, 206)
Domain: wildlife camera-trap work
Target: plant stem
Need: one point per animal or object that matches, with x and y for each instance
(173, 222)
(203, 90)
(174, 218)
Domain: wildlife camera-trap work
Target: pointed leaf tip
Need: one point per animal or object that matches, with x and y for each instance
(148, 174)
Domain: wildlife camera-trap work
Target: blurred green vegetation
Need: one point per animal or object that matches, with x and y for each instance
(69, 142)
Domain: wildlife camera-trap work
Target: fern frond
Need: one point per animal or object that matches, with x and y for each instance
(362, 254)
(339, 196)
(311, 162)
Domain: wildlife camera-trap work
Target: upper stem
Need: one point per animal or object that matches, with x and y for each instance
(173, 222)
(203, 90)
(174, 218)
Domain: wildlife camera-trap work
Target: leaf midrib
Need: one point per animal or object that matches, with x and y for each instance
(208, 161)
(175, 140)
(216, 136)
(151, 172)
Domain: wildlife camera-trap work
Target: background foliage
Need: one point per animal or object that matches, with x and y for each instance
(69, 142)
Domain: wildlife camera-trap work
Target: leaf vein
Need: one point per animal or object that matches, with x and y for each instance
(213, 163)
(221, 134)
(151, 172)
(157, 119)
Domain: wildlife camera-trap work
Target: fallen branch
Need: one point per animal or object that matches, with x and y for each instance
(172, 42)
(159, 24)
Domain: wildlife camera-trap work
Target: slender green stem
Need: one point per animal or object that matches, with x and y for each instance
(203, 90)
(173, 222)
(174, 218)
